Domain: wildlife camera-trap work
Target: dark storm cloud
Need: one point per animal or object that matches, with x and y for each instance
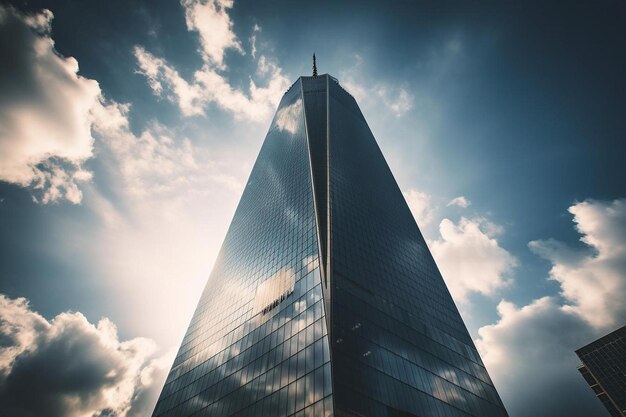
(69, 367)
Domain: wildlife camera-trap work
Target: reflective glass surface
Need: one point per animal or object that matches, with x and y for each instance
(257, 343)
(604, 369)
(315, 100)
(399, 345)
(325, 299)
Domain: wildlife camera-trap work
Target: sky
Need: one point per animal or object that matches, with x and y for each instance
(128, 130)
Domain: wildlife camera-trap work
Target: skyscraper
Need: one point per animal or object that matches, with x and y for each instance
(604, 369)
(325, 299)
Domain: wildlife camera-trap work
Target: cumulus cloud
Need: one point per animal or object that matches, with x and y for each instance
(420, 205)
(50, 118)
(210, 19)
(459, 202)
(592, 279)
(530, 355)
(159, 184)
(68, 367)
(45, 110)
(530, 350)
(209, 84)
(159, 73)
(470, 258)
(156, 162)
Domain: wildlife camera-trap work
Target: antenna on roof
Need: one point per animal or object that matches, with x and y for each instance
(314, 66)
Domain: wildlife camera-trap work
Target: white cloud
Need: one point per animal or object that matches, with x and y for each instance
(209, 85)
(151, 380)
(155, 232)
(68, 367)
(593, 280)
(530, 350)
(161, 76)
(211, 20)
(159, 184)
(56, 181)
(460, 201)
(530, 355)
(470, 258)
(45, 110)
(420, 205)
(157, 162)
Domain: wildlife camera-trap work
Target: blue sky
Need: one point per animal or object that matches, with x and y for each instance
(127, 131)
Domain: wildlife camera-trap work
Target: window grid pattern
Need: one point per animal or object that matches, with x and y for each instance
(400, 347)
(604, 368)
(258, 343)
(234, 359)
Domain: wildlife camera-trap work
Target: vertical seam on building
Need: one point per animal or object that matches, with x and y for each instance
(316, 214)
(329, 330)
(328, 223)
(323, 273)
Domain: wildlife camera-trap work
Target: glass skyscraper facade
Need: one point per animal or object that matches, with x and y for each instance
(604, 369)
(324, 299)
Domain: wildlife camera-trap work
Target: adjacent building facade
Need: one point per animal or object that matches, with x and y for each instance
(604, 369)
(324, 299)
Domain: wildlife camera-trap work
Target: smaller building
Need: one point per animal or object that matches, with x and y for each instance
(604, 369)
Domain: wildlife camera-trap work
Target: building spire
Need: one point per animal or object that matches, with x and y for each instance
(314, 66)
